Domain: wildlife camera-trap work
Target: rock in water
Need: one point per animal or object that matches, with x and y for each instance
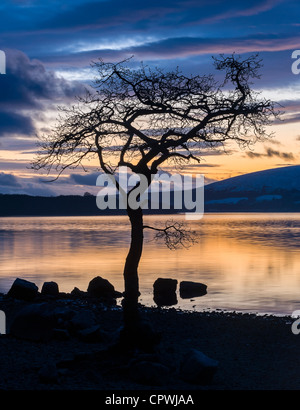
(197, 368)
(164, 292)
(23, 289)
(189, 289)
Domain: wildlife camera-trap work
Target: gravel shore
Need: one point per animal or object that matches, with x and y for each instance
(253, 352)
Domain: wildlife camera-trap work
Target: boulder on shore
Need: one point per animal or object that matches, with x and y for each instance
(23, 289)
(197, 368)
(50, 289)
(164, 292)
(34, 322)
(102, 288)
(42, 322)
(149, 373)
(48, 373)
(188, 289)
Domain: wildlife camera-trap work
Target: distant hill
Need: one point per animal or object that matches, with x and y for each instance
(272, 190)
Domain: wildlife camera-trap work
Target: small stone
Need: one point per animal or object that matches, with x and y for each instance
(197, 368)
(61, 334)
(91, 334)
(77, 292)
(82, 320)
(149, 373)
(48, 373)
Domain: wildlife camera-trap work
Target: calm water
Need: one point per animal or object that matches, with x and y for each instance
(250, 262)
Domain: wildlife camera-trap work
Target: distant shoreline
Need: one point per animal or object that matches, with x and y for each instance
(18, 205)
(146, 214)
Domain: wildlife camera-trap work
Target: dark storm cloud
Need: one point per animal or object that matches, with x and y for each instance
(35, 185)
(26, 90)
(50, 27)
(8, 180)
(139, 15)
(88, 179)
(14, 123)
(75, 32)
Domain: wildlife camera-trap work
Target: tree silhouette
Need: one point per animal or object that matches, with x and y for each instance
(143, 117)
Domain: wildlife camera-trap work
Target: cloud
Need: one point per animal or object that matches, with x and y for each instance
(141, 15)
(88, 179)
(254, 155)
(37, 186)
(201, 166)
(26, 90)
(15, 123)
(85, 25)
(287, 156)
(270, 153)
(8, 180)
(179, 47)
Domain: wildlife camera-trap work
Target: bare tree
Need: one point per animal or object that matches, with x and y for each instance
(141, 118)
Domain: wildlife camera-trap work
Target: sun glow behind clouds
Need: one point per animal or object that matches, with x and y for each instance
(281, 93)
(76, 74)
(110, 44)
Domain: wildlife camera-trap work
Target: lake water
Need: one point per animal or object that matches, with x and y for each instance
(249, 262)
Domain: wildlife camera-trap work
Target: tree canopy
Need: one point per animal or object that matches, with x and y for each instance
(145, 116)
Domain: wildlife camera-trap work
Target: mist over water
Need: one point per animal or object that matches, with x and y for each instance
(249, 262)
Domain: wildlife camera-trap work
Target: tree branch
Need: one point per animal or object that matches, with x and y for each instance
(175, 235)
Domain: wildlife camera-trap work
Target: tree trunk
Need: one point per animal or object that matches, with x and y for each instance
(131, 280)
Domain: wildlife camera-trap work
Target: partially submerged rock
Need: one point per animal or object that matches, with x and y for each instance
(188, 289)
(164, 292)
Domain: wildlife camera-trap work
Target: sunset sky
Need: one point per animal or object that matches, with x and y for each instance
(49, 46)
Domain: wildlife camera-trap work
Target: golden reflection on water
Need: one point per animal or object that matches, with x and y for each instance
(249, 262)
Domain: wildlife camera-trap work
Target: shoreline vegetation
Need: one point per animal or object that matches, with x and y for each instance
(19, 205)
(61, 341)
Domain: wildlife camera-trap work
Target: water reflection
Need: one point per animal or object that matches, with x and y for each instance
(248, 261)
